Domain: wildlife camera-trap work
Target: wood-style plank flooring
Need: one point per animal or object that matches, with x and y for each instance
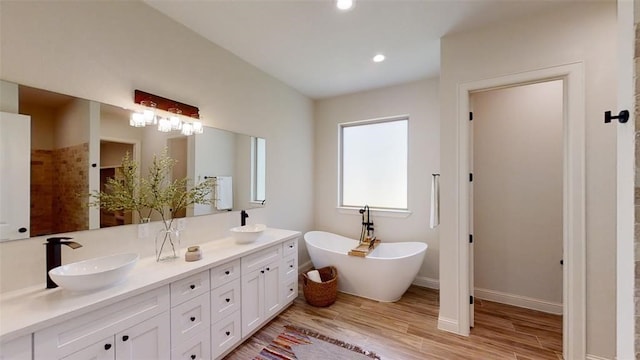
(407, 329)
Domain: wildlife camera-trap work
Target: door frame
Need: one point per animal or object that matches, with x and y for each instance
(573, 208)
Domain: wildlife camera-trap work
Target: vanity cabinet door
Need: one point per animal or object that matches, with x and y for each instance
(102, 350)
(272, 288)
(261, 296)
(149, 339)
(17, 349)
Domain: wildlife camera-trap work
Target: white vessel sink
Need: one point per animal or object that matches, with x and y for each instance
(94, 273)
(247, 233)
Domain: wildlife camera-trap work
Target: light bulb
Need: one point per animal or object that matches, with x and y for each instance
(164, 125)
(344, 4)
(137, 120)
(378, 58)
(197, 127)
(187, 129)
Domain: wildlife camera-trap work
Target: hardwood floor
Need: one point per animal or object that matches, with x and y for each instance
(407, 329)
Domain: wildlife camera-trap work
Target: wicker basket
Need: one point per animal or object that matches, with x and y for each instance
(324, 293)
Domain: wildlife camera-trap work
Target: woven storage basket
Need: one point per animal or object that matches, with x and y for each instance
(324, 293)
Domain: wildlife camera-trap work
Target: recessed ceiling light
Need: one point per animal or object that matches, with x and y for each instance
(344, 4)
(378, 58)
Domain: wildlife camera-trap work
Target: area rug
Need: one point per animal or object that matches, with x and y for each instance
(296, 343)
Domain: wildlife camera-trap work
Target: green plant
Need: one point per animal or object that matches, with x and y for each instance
(154, 193)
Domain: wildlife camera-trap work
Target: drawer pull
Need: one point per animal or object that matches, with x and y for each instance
(227, 299)
(228, 333)
(227, 272)
(193, 318)
(290, 246)
(125, 338)
(192, 286)
(261, 271)
(291, 289)
(107, 346)
(193, 356)
(291, 266)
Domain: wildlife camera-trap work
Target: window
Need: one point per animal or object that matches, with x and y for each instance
(373, 163)
(258, 169)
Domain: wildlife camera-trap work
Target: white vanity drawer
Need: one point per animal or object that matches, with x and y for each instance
(196, 348)
(257, 260)
(75, 334)
(16, 349)
(190, 318)
(225, 300)
(189, 288)
(290, 267)
(225, 334)
(290, 247)
(222, 274)
(290, 290)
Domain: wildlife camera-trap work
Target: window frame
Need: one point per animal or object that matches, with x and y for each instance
(394, 212)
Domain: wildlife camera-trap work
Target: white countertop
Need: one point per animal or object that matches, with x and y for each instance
(30, 309)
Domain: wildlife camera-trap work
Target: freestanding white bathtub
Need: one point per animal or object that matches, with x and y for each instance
(384, 275)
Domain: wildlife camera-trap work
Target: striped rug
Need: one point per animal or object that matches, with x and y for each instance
(296, 343)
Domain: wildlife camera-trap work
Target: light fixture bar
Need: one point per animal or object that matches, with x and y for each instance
(165, 104)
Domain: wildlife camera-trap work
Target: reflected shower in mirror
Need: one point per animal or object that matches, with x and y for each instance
(77, 144)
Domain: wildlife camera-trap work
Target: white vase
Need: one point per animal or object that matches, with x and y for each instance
(168, 243)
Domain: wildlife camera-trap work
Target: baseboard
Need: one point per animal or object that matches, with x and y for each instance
(446, 324)
(305, 267)
(426, 282)
(520, 301)
(594, 357)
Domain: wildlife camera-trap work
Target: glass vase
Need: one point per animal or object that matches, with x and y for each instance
(168, 243)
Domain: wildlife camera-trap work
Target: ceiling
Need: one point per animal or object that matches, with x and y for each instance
(322, 51)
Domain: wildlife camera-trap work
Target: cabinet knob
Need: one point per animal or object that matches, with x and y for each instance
(261, 271)
(22, 230)
(226, 272)
(193, 318)
(192, 286)
(291, 289)
(193, 356)
(228, 333)
(291, 266)
(125, 338)
(107, 346)
(227, 299)
(267, 269)
(290, 246)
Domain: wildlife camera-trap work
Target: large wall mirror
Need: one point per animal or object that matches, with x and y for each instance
(72, 146)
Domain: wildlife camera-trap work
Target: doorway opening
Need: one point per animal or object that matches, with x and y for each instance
(516, 207)
(573, 198)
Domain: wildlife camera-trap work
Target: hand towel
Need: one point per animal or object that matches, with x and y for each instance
(224, 200)
(435, 201)
(314, 275)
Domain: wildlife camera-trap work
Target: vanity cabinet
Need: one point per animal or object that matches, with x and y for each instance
(202, 315)
(191, 317)
(261, 288)
(16, 349)
(225, 307)
(135, 328)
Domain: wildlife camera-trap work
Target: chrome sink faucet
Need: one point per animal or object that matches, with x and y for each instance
(54, 255)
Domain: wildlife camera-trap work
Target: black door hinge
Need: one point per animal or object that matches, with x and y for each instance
(470, 238)
(470, 116)
(471, 300)
(470, 176)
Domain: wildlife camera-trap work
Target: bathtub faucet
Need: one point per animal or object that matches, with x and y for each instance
(367, 225)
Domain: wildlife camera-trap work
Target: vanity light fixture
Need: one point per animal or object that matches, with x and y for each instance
(378, 58)
(344, 4)
(176, 118)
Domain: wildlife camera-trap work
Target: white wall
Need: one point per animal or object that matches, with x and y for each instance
(64, 47)
(584, 32)
(420, 101)
(517, 193)
(72, 124)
